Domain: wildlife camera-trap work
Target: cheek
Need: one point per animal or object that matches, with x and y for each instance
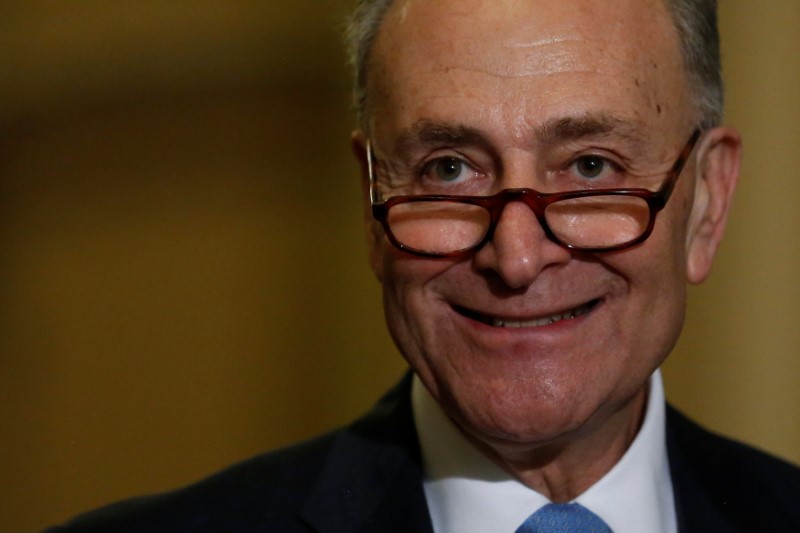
(656, 278)
(417, 313)
(663, 255)
(661, 266)
(408, 292)
(410, 309)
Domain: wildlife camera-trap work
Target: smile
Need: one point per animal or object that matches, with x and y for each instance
(499, 322)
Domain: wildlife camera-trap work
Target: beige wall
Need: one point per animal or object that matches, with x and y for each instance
(182, 274)
(737, 368)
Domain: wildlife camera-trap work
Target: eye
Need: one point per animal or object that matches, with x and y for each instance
(592, 167)
(450, 174)
(449, 169)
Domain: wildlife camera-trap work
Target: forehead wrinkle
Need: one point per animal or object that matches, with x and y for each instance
(544, 41)
(510, 60)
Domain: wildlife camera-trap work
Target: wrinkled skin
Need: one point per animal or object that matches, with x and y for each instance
(555, 405)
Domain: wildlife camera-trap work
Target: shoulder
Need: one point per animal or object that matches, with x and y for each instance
(269, 488)
(743, 485)
(283, 489)
(715, 456)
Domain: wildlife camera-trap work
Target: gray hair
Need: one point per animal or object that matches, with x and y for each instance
(362, 28)
(695, 21)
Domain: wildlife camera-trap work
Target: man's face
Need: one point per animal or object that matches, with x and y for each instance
(513, 71)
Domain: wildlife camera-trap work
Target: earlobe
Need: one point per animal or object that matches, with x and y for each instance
(717, 173)
(373, 231)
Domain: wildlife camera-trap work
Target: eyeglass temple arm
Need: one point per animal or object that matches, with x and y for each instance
(680, 163)
(374, 195)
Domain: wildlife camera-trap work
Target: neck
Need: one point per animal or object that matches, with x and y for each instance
(564, 469)
(560, 470)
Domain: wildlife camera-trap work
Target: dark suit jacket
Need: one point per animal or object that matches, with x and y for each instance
(368, 478)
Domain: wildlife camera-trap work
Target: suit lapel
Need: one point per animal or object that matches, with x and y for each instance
(697, 509)
(372, 477)
(372, 480)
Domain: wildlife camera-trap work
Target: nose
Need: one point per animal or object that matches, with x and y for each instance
(519, 248)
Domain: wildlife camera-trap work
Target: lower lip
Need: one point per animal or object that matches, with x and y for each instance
(565, 323)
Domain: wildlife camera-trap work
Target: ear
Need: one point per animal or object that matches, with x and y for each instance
(716, 176)
(373, 230)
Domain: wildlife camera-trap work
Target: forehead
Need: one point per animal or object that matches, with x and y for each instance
(518, 61)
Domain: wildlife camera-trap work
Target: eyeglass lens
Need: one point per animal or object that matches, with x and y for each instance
(587, 222)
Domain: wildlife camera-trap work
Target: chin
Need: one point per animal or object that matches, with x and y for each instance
(509, 413)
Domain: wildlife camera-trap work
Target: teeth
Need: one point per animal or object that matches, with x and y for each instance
(537, 322)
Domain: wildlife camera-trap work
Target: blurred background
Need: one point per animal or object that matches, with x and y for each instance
(183, 281)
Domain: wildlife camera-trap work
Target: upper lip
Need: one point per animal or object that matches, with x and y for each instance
(531, 318)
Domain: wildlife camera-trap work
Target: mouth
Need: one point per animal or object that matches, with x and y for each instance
(506, 322)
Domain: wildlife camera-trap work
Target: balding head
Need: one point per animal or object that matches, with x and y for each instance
(694, 20)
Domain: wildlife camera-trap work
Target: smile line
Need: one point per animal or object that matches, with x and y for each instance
(531, 323)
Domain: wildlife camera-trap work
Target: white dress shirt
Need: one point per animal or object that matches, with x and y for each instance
(469, 493)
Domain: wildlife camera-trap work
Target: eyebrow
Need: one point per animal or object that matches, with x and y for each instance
(428, 132)
(588, 125)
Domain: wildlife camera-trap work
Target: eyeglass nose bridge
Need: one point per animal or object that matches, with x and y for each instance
(536, 202)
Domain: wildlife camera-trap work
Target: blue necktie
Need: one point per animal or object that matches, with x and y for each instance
(563, 518)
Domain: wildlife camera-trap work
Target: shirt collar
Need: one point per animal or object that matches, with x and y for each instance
(469, 493)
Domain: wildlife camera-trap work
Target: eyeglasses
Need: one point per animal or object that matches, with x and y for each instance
(451, 226)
